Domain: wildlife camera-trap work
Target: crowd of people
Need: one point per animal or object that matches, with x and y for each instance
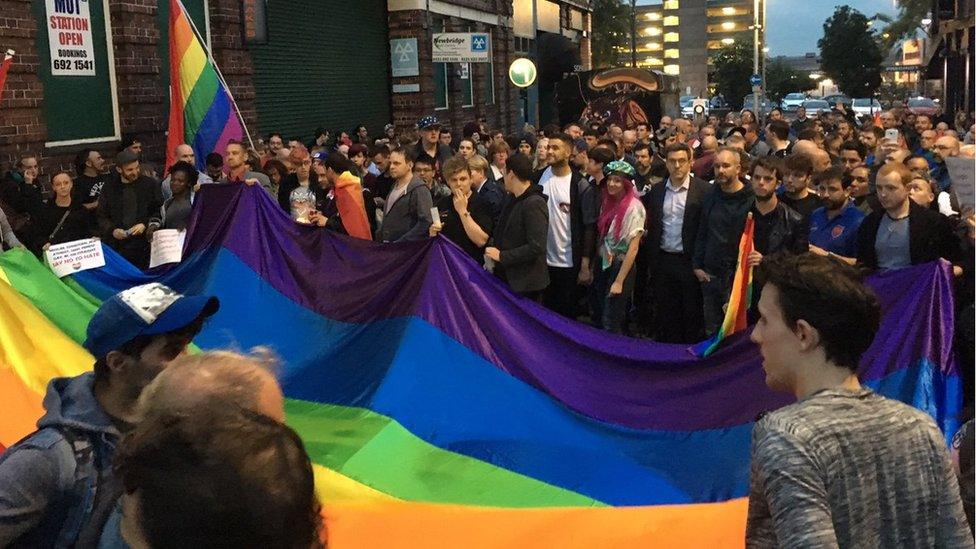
(640, 226)
(633, 229)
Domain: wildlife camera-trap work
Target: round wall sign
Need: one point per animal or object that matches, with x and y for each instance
(522, 72)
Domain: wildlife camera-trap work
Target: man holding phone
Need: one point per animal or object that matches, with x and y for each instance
(20, 199)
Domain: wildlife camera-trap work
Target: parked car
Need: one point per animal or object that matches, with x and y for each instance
(718, 102)
(839, 98)
(793, 100)
(766, 105)
(923, 105)
(815, 106)
(866, 106)
(688, 107)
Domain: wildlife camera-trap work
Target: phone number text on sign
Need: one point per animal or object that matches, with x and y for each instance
(70, 38)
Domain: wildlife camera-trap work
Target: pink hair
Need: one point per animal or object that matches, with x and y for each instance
(615, 208)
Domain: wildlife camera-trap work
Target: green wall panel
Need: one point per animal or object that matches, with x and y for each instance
(65, 121)
(326, 64)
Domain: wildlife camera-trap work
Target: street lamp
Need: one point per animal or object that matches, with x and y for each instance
(758, 24)
(633, 33)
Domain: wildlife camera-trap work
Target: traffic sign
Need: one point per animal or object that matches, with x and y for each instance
(755, 80)
(522, 72)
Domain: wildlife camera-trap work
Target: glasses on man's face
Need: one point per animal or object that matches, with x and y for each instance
(943, 147)
(306, 162)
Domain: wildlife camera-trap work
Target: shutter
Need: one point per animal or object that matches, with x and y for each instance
(325, 64)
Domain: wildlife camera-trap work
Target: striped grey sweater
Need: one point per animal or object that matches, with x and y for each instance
(852, 469)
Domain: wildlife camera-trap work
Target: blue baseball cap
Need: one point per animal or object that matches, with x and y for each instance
(149, 309)
(321, 156)
(428, 122)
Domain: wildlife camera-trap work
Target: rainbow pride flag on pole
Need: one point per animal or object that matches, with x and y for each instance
(202, 110)
(440, 410)
(735, 314)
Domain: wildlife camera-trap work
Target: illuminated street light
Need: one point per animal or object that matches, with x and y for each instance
(728, 25)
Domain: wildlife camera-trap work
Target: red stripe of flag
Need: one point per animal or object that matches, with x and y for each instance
(174, 135)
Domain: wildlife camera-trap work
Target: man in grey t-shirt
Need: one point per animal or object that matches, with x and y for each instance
(843, 467)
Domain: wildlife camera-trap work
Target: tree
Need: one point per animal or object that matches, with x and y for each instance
(849, 53)
(781, 79)
(905, 24)
(611, 30)
(733, 67)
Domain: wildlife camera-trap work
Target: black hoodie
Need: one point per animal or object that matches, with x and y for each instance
(520, 237)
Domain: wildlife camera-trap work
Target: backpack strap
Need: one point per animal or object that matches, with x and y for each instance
(81, 497)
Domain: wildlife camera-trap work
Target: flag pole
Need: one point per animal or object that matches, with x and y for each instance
(220, 75)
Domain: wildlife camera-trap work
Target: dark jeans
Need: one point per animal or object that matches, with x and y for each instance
(134, 249)
(715, 294)
(534, 296)
(562, 295)
(612, 310)
(678, 296)
(644, 303)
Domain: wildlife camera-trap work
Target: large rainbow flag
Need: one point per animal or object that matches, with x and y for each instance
(202, 112)
(740, 299)
(441, 410)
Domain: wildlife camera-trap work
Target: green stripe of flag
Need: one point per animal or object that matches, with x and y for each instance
(199, 101)
(379, 452)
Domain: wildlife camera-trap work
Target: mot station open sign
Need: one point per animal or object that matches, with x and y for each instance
(70, 38)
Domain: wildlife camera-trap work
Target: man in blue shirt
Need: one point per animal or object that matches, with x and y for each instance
(833, 227)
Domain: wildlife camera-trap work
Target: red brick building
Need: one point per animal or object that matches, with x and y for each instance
(325, 63)
(132, 73)
(457, 95)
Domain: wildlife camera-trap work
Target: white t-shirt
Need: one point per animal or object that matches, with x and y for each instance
(559, 245)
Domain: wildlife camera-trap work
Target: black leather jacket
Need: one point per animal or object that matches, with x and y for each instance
(788, 231)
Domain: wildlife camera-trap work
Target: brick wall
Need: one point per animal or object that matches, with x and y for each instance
(233, 58)
(408, 107)
(143, 102)
(139, 69)
(21, 123)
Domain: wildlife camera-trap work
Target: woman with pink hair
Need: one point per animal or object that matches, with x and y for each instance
(620, 228)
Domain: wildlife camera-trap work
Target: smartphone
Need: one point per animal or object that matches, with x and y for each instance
(891, 135)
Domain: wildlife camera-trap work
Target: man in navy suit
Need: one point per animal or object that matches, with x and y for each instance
(673, 213)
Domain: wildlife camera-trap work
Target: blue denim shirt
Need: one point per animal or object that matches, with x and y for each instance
(47, 486)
